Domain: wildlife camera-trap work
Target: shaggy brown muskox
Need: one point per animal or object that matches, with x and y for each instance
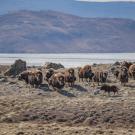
(100, 76)
(116, 73)
(38, 78)
(132, 71)
(34, 78)
(126, 64)
(24, 76)
(109, 89)
(123, 75)
(57, 81)
(85, 72)
(70, 77)
(48, 74)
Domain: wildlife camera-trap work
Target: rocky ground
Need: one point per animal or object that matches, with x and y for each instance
(72, 111)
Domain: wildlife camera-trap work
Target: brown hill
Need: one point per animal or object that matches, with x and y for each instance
(55, 32)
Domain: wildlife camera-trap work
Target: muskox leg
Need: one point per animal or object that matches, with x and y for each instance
(82, 79)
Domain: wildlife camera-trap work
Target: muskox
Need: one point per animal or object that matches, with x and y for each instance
(132, 71)
(126, 64)
(85, 72)
(123, 75)
(24, 76)
(34, 78)
(57, 81)
(70, 77)
(48, 74)
(100, 76)
(38, 78)
(109, 89)
(116, 73)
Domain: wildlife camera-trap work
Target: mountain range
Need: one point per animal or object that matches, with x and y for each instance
(56, 32)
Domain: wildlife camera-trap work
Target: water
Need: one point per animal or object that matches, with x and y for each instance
(68, 59)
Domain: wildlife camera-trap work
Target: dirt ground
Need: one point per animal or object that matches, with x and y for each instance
(71, 111)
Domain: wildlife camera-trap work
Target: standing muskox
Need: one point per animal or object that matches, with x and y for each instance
(109, 89)
(123, 75)
(126, 64)
(132, 71)
(116, 73)
(85, 72)
(70, 77)
(34, 78)
(100, 76)
(48, 74)
(57, 81)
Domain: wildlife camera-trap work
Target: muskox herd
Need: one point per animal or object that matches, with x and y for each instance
(125, 71)
(58, 79)
(32, 77)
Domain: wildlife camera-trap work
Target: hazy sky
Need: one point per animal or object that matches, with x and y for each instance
(106, 0)
(76, 7)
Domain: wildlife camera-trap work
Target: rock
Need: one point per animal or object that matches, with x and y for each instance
(20, 133)
(94, 64)
(89, 121)
(15, 69)
(53, 65)
(117, 63)
(3, 79)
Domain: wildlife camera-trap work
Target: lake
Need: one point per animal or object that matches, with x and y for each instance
(67, 59)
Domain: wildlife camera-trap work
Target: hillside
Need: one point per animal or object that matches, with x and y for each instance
(55, 32)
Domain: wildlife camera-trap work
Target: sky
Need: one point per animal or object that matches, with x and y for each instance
(106, 0)
(75, 7)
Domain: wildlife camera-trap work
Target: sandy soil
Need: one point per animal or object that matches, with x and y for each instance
(72, 111)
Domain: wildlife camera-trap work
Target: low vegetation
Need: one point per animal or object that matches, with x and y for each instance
(77, 108)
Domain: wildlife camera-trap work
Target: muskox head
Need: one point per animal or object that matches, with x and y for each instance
(48, 74)
(71, 71)
(38, 77)
(104, 77)
(24, 76)
(60, 80)
(126, 64)
(124, 71)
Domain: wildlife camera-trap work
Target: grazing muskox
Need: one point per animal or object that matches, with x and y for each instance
(132, 71)
(100, 76)
(57, 81)
(85, 72)
(70, 77)
(123, 75)
(109, 89)
(34, 78)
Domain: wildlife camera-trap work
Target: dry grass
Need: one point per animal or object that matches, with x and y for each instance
(72, 111)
